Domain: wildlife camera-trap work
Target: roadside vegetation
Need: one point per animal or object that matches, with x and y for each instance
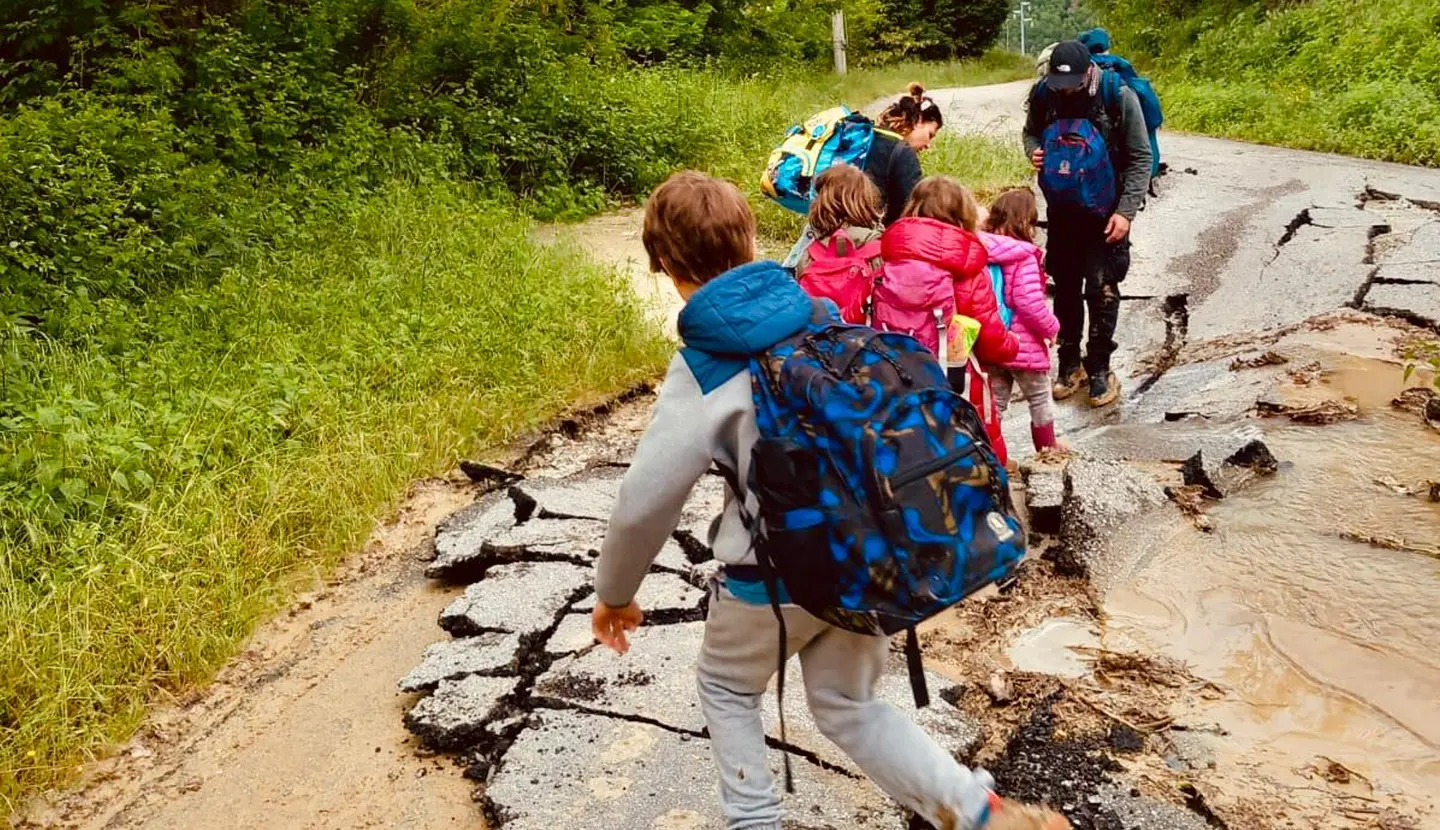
(263, 263)
(1323, 75)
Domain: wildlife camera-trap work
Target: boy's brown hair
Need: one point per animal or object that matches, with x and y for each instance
(697, 228)
(944, 199)
(1014, 214)
(844, 195)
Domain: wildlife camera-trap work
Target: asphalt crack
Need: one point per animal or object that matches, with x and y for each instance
(1176, 311)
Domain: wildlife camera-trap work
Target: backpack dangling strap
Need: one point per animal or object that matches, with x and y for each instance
(772, 591)
(843, 245)
(915, 664)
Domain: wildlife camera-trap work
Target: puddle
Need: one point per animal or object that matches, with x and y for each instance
(1049, 648)
(1327, 646)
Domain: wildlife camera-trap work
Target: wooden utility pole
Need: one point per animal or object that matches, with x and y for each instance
(837, 26)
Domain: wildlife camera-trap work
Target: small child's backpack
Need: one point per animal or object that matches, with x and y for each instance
(881, 503)
(997, 283)
(916, 298)
(842, 272)
(833, 136)
(1078, 172)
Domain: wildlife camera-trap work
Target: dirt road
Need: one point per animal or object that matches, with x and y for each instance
(1252, 647)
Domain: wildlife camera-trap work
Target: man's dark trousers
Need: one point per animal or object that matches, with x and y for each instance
(1087, 271)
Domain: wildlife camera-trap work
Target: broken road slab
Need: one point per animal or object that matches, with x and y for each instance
(1044, 496)
(572, 635)
(1102, 532)
(459, 539)
(1209, 390)
(662, 596)
(588, 495)
(589, 772)
(1419, 302)
(655, 680)
(454, 717)
(488, 653)
(1221, 458)
(521, 598)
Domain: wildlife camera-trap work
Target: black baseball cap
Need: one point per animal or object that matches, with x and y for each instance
(1069, 62)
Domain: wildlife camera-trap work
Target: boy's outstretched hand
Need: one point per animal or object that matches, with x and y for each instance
(609, 625)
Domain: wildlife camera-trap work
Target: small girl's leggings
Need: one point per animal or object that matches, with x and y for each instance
(1035, 388)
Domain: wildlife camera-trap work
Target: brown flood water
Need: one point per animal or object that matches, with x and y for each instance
(1329, 648)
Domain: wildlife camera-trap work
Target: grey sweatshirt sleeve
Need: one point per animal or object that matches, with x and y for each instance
(672, 456)
(1135, 177)
(1033, 129)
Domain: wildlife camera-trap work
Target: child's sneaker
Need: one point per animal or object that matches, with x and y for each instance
(1012, 815)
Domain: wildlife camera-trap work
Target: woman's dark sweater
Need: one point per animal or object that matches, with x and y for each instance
(894, 168)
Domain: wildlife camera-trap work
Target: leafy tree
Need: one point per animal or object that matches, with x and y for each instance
(940, 29)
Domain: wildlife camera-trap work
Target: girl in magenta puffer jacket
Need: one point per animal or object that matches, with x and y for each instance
(1009, 237)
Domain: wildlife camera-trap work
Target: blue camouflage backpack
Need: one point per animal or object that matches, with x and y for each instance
(881, 501)
(834, 136)
(1079, 170)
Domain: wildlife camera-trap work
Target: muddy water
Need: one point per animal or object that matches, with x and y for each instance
(1327, 647)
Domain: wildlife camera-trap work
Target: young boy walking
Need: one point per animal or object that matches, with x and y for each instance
(700, 232)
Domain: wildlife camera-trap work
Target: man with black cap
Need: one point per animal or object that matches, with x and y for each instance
(1088, 247)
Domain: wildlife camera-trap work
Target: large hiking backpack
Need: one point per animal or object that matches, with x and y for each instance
(843, 273)
(1144, 90)
(917, 299)
(835, 135)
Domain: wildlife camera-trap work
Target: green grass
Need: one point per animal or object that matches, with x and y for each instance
(729, 126)
(179, 464)
(252, 432)
(1315, 75)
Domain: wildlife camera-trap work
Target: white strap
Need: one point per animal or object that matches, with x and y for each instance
(944, 341)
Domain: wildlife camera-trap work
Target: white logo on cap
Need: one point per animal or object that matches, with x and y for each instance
(1064, 67)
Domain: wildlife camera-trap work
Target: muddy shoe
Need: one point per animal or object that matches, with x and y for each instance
(1012, 815)
(1104, 390)
(1068, 383)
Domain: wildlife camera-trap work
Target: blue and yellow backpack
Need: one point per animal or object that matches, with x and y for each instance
(836, 135)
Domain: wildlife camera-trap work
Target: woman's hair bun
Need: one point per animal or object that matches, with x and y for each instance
(916, 89)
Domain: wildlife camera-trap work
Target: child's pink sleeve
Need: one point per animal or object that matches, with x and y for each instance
(1027, 292)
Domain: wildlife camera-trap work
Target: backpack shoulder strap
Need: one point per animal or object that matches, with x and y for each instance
(1111, 86)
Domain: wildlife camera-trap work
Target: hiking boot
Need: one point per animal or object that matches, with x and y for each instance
(1068, 383)
(1012, 815)
(1104, 389)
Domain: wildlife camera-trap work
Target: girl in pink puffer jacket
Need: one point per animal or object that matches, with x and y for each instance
(1009, 237)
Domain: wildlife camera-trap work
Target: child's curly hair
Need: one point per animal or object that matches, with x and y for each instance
(844, 195)
(1014, 214)
(944, 199)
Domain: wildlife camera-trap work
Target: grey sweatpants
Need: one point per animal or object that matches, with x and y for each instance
(840, 672)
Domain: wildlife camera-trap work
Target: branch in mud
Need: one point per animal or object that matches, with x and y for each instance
(1395, 543)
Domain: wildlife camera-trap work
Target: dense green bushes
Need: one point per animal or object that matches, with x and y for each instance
(162, 482)
(1318, 75)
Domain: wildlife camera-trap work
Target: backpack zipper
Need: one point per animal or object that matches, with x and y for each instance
(928, 468)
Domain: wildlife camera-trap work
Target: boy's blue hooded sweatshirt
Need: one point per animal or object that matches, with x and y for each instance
(705, 415)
